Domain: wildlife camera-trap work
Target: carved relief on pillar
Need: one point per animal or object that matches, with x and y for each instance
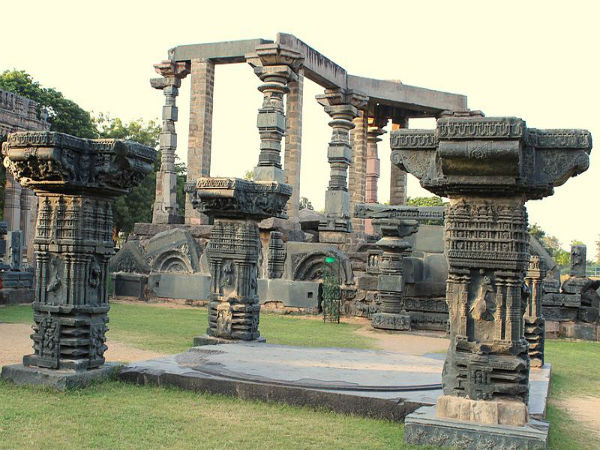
(275, 66)
(535, 323)
(342, 106)
(76, 181)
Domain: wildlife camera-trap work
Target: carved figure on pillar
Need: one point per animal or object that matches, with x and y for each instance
(165, 205)
(76, 181)
(489, 168)
(342, 106)
(275, 66)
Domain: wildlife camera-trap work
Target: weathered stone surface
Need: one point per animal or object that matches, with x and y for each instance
(77, 181)
(59, 379)
(489, 412)
(129, 285)
(534, 321)
(387, 321)
(188, 286)
(294, 294)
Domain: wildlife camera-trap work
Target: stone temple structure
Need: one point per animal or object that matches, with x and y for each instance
(489, 168)
(292, 250)
(77, 181)
(18, 113)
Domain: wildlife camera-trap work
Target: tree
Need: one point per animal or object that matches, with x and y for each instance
(305, 203)
(598, 250)
(425, 201)
(64, 115)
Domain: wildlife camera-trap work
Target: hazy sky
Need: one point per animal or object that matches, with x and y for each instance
(536, 60)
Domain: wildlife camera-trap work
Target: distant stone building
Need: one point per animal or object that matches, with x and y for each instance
(18, 113)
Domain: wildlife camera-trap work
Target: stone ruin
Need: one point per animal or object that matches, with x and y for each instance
(16, 282)
(292, 251)
(76, 180)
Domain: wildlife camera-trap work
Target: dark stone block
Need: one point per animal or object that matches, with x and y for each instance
(129, 285)
(59, 379)
(367, 282)
(574, 330)
(14, 296)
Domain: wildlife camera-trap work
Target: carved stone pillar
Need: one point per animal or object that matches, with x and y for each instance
(535, 325)
(236, 206)
(489, 168)
(578, 261)
(28, 217)
(202, 83)
(76, 180)
(372, 169)
(165, 204)
(398, 177)
(275, 66)
(293, 144)
(12, 203)
(342, 106)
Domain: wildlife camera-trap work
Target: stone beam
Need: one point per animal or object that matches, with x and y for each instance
(227, 52)
(317, 68)
(411, 98)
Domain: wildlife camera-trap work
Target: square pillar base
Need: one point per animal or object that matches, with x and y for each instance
(386, 321)
(205, 339)
(59, 379)
(423, 427)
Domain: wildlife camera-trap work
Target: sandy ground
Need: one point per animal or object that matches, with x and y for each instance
(412, 344)
(584, 410)
(15, 342)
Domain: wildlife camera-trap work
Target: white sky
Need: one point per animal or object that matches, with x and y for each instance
(538, 60)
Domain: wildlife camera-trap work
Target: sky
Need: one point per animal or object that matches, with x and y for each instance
(538, 60)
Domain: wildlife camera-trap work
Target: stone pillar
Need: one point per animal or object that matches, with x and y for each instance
(236, 206)
(578, 263)
(293, 144)
(202, 75)
(489, 168)
(12, 203)
(535, 325)
(73, 241)
(165, 204)
(275, 66)
(358, 168)
(28, 218)
(398, 177)
(372, 170)
(343, 107)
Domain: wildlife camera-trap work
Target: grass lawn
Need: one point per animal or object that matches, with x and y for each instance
(117, 415)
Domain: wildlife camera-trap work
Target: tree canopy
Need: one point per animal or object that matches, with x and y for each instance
(425, 201)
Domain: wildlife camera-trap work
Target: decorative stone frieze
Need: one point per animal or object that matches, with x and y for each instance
(77, 181)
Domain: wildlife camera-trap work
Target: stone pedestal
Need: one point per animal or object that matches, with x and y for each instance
(165, 204)
(342, 106)
(489, 168)
(77, 181)
(236, 206)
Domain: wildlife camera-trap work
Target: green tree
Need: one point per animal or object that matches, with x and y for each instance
(425, 201)
(64, 115)
(305, 203)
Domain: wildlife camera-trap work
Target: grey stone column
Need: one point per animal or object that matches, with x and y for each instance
(293, 143)
(374, 131)
(12, 203)
(358, 168)
(275, 66)
(165, 204)
(535, 324)
(29, 204)
(200, 129)
(398, 177)
(343, 107)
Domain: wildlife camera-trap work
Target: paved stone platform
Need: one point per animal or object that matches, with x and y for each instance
(371, 383)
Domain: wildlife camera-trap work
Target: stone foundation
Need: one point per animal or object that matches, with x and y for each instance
(488, 412)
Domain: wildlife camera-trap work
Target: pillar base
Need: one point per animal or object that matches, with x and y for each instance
(205, 339)
(59, 379)
(386, 321)
(423, 427)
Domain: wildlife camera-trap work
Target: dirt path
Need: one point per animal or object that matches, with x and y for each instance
(584, 410)
(15, 342)
(409, 343)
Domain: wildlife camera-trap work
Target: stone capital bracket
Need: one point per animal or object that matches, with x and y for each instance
(340, 97)
(273, 59)
(172, 73)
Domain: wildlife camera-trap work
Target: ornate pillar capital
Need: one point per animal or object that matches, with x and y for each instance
(172, 72)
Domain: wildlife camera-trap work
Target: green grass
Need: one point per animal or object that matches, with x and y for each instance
(116, 415)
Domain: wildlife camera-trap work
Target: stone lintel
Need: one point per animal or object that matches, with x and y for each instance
(227, 52)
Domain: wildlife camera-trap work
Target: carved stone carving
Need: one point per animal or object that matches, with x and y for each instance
(534, 321)
(489, 167)
(77, 181)
(276, 256)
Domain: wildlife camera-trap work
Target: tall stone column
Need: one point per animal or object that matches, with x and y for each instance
(275, 66)
(374, 132)
(535, 325)
(165, 204)
(293, 143)
(29, 204)
(77, 181)
(358, 168)
(342, 107)
(398, 177)
(12, 203)
(489, 168)
(202, 75)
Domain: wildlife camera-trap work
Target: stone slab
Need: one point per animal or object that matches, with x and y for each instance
(14, 296)
(188, 286)
(422, 427)
(297, 294)
(205, 339)
(400, 322)
(58, 379)
(371, 383)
